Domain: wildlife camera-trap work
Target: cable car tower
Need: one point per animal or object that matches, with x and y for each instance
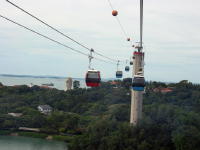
(138, 84)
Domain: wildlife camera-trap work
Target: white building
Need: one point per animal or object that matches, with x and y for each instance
(69, 84)
(45, 109)
(15, 114)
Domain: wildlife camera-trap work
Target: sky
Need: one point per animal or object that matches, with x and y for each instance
(171, 37)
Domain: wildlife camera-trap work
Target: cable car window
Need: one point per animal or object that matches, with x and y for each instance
(93, 75)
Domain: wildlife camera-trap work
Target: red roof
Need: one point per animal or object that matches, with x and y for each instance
(163, 90)
(45, 87)
(166, 90)
(113, 83)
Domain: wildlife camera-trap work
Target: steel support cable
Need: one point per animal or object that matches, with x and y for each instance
(122, 28)
(99, 59)
(55, 41)
(105, 56)
(59, 31)
(119, 22)
(111, 6)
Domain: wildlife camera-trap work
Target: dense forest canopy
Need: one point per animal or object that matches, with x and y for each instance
(98, 118)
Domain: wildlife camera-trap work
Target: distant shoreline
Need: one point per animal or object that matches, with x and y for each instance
(32, 76)
(45, 76)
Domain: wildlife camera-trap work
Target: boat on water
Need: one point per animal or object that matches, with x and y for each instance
(48, 84)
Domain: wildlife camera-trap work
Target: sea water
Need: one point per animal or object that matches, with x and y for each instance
(26, 143)
(59, 83)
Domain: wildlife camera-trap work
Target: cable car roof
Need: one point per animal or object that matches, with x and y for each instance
(93, 71)
(138, 76)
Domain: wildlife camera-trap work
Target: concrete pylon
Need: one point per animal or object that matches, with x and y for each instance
(137, 96)
(138, 69)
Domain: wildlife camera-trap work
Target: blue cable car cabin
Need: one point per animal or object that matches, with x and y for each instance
(119, 74)
(127, 68)
(138, 83)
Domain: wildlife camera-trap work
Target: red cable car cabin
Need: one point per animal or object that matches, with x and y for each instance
(93, 78)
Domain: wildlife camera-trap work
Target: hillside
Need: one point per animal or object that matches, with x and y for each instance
(98, 118)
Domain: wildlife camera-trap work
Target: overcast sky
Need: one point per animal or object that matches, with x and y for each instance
(171, 37)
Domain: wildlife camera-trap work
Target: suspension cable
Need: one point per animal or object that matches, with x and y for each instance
(90, 58)
(111, 6)
(59, 31)
(122, 28)
(118, 20)
(55, 41)
(118, 65)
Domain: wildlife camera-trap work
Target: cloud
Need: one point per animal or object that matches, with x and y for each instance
(170, 34)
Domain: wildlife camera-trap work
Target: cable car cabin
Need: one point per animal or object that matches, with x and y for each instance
(119, 74)
(138, 83)
(127, 68)
(131, 63)
(93, 78)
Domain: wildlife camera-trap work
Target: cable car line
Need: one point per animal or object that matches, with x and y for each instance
(59, 31)
(123, 30)
(111, 6)
(46, 24)
(119, 22)
(42, 35)
(55, 41)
